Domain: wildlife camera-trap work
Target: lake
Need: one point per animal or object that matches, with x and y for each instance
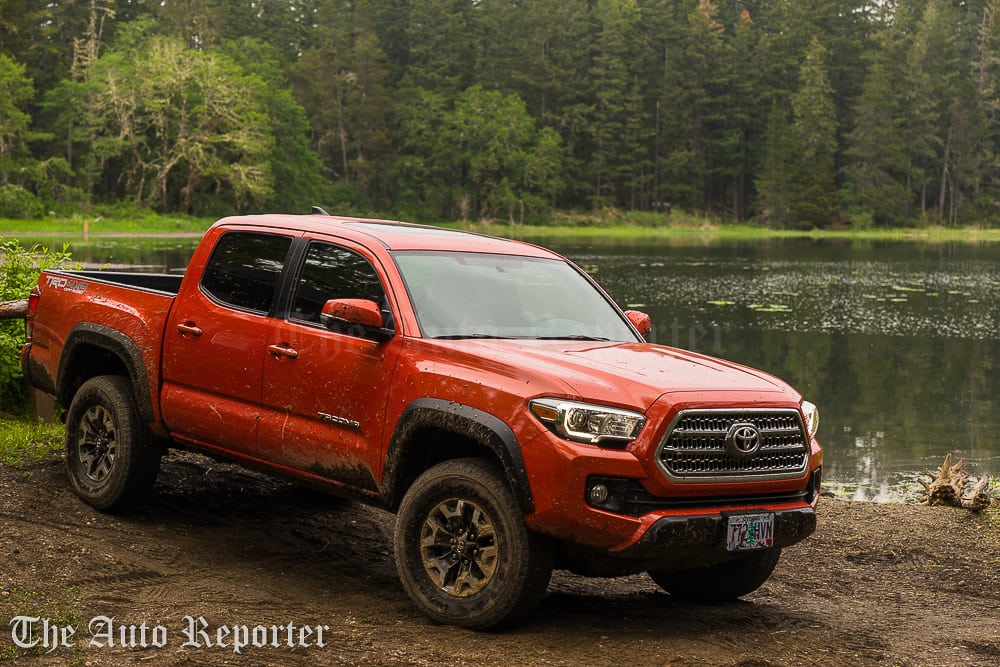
(898, 343)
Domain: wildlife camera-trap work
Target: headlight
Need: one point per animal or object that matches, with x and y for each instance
(587, 423)
(811, 413)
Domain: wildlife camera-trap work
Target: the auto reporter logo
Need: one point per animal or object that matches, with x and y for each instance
(192, 632)
(743, 440)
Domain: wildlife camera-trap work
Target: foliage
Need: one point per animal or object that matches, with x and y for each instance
(15, 91)
(176, 121)
(803, 114)
(481, 157)
(16, 202)
(19, 269)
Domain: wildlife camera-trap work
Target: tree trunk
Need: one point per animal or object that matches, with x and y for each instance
(14, 310)
(943, 193)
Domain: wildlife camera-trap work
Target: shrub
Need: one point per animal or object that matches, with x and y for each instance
(18, 203)
(19, 269)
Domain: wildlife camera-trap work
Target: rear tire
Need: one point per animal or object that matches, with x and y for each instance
(722, 582)
(463, 552)
(111, 456)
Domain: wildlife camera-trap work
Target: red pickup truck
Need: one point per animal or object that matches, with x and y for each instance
(487, 391)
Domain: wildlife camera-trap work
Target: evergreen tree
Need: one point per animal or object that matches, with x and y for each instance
(986, 74)
(815, 133)
(775, 177)
(708, 69)
(876, 151)
(440, 44)
(618, 161)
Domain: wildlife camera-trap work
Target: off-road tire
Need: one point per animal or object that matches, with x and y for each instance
(722, 582)
(111, 456)
(463, 552)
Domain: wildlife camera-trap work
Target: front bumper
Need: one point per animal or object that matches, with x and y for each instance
(635, 524)
(695, 541)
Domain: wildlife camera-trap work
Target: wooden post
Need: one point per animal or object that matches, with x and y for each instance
(41, 405)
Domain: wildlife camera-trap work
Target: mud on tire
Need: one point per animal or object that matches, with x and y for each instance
(111, 456)
(463, 552)
(721, 582)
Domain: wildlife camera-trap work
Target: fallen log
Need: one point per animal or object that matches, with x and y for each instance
(947, 487)
(14, 310)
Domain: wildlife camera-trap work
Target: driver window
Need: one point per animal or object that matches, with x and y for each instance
(332, 272)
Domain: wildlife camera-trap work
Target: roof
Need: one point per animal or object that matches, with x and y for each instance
(393, 235)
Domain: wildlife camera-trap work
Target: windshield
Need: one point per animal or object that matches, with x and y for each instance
(478, 295)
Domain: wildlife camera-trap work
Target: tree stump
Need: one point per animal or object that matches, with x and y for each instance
(947, 487)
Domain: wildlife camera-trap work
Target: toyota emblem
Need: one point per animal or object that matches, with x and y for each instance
(742, 440)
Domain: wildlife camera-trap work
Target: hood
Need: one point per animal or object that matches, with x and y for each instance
(627, 374)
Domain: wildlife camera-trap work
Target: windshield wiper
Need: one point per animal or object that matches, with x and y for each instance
(572, 337)
(472, 335)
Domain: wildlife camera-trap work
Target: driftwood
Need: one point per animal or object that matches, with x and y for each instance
(947, 487)
(14, 310)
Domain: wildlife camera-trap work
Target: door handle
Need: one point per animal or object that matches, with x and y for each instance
(188, 328)
(283, 350)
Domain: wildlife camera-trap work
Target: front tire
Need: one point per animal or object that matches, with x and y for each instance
(722, 582)
(111, 456)
(463, 552)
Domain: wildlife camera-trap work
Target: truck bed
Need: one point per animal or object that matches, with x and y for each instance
(79, 313)
(166, 283)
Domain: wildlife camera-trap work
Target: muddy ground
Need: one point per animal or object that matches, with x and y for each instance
(877, 585)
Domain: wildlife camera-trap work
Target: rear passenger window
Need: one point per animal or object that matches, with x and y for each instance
(244, 270)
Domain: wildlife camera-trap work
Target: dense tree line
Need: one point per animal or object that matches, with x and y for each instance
(801, 113)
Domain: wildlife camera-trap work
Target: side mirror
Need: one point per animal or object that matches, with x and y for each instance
(640, 321)
(362, 315)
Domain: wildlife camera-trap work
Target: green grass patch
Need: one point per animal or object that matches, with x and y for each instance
(59, 609)
(681, 234)
(609, 225)
(27, 441)
(141, 222)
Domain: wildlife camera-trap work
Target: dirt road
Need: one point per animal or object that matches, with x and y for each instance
(223, 555)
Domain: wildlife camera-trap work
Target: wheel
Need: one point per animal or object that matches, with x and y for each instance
(721, 582)
(110, 453)
(463, 552)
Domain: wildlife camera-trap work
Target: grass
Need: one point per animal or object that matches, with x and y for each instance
(718, 231)
(143, 222)
(604, 226)
(59, 609)
(26, 441)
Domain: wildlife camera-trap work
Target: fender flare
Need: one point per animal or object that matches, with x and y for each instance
(115, 343)
(486, 429)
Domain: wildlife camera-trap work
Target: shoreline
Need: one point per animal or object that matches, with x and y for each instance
(581, 227)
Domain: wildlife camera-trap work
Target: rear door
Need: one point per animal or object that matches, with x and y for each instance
(325, 391)
(214, 342)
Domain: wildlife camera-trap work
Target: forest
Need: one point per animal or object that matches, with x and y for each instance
(784, 113)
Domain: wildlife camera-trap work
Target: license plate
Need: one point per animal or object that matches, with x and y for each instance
(750, 531)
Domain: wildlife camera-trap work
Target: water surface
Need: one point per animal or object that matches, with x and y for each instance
(896, 342)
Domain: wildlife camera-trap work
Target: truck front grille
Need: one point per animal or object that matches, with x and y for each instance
(734, 445)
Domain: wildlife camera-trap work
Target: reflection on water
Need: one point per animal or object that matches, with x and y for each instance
(896, 342)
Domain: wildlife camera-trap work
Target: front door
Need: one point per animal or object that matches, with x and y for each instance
(325, 390)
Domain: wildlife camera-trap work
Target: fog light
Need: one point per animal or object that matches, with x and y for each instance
(598, 494)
